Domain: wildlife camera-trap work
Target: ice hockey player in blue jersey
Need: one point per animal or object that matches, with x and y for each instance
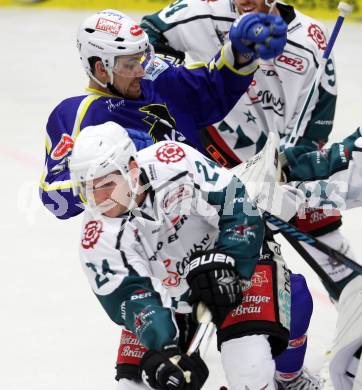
(129, 86)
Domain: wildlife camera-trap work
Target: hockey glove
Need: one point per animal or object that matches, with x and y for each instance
(259, 35)
(172, 370)
(214, 281)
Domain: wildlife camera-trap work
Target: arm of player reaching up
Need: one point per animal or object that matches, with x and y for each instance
(210, 91)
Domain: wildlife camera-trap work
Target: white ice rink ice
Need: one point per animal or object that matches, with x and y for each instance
(54, 333)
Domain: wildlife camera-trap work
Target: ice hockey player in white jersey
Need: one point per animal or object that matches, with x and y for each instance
(277, 92)
(164, 230)
(332, 178)
(274, 98)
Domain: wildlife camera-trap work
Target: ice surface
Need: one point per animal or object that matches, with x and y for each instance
(53, 332)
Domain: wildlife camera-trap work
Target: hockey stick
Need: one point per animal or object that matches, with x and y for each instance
(344, 10)
(291, 231)
(204, 330)
(261, 170)
(203, 335)
(323, 275)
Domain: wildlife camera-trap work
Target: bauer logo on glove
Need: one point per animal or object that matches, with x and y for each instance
(259, 35)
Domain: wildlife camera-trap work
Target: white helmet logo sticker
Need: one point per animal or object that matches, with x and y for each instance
(108, 26)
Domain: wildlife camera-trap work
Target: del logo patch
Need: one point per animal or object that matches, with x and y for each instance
(170, 153)
(62, 149)
(292, 62)
(92, 232)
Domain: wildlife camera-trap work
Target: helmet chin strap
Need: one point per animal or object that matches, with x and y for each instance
(109, 85)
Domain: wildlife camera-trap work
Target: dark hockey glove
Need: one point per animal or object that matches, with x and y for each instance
(213, 280)
(172, 370)
(259, 35)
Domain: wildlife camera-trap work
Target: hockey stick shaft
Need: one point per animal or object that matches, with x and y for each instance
(203, 334)
(344, 10)
(289, 230)
(204, 330)
(323, 275)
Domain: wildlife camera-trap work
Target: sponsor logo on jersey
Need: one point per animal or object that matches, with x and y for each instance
(92, 232)
(292, 62)
(258, 299)
(268, 72)
(64, 146)
(316, 33)
(242, 233)
(257, 279)
(136, 30)
(298, 342)
(142, 321)
(173, 197)
(108, 26)
(140, 294)
(130, 349)
(115, 104)
(170, 153)
(173, 278)
(267, 100)
(152, 171)
(154, 69)
(324, 122)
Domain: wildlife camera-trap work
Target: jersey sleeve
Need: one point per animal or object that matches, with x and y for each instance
(303, 165)
(55, 188)
(211, 90)
(241, 229)
(173, 30)
(122, 281)
(319, 115)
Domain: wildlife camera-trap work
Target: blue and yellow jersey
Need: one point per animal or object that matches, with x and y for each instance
(176, 102)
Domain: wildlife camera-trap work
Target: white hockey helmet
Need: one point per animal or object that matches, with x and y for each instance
(109, 34)
(98, 151)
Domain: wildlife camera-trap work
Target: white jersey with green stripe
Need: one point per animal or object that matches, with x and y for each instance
(136, 263)
(280, 86)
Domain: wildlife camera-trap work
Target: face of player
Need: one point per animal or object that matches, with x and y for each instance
(112, 194)
(245, 6)
(127, 75)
